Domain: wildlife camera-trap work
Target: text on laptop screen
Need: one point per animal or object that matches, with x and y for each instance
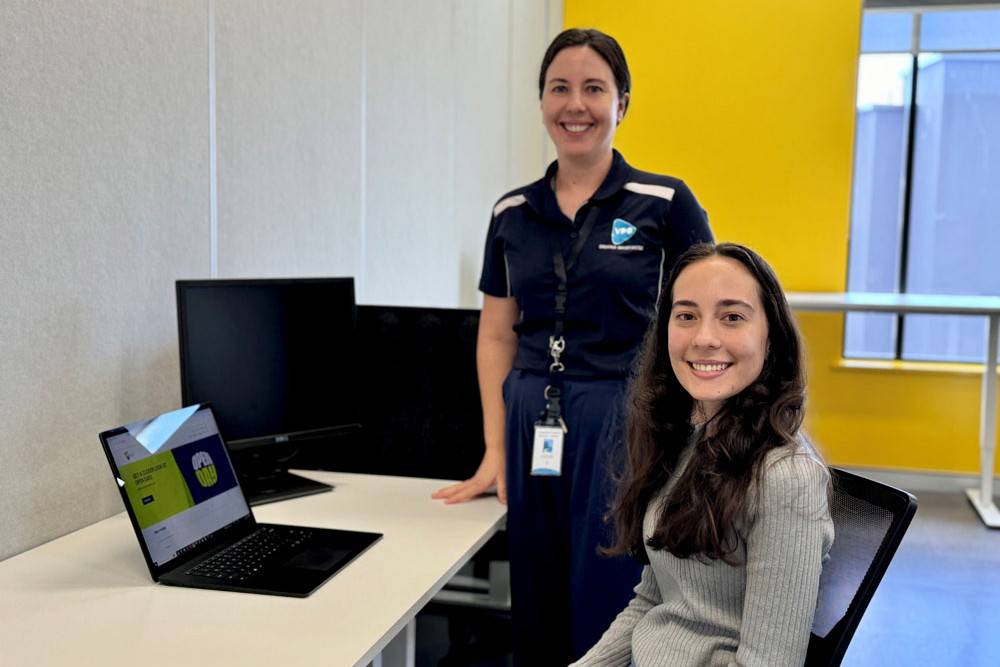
(179, 481)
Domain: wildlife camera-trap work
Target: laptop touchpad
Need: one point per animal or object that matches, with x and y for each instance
(318, 558)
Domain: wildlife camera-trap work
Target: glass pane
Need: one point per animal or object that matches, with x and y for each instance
(884, 78)
(870, 336)
(960, 338)
(876, 200)
(944, 31)
(886, 32)
(954, 236)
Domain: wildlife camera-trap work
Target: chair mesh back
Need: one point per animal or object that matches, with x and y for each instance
(860, 529)
(869, 521)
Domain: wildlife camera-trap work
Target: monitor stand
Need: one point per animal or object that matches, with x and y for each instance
(268, 486)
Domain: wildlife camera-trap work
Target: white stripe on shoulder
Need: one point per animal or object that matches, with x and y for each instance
(507, 203)
(506, 267)
(659, 278)
(661, 191)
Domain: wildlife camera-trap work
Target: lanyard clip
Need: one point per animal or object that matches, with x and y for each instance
(552, 415)
(556, 347)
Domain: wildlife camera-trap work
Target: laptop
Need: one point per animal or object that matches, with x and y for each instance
(194, 524)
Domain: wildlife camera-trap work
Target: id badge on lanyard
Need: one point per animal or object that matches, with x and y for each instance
(547, 448)
(546, 453)
(550, 429)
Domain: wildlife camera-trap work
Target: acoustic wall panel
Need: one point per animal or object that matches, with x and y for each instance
(104, 202)
(289, 119)
(352, 138)
(532, 26)
(412, 241)
(500, 141)
(482, 42)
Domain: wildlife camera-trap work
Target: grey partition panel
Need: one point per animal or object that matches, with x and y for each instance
(419, 396)
(103, 203)
(288, 111)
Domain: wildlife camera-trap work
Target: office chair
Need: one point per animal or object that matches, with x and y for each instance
(869, 521)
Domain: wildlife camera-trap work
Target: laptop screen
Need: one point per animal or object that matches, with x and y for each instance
(178, 478)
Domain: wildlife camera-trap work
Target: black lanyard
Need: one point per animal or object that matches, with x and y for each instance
(552, 415)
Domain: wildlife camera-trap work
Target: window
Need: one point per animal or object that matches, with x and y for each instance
(925, 210)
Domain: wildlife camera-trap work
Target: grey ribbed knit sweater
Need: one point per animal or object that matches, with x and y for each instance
(690, 613)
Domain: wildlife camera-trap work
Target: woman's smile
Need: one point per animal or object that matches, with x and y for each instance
(709, 369)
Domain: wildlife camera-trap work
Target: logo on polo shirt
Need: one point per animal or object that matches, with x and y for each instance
(621, 231)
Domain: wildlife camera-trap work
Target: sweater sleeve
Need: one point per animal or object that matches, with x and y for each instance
(614, 649)
(789, 535)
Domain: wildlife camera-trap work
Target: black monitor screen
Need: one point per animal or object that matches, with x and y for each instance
(274, 357)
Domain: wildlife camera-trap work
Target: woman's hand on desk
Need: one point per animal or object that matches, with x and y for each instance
(492, 472)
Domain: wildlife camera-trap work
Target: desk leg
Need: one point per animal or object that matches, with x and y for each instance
(401, 650)
(982, 498)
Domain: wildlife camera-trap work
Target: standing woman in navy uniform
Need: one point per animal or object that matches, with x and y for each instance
(573, 266)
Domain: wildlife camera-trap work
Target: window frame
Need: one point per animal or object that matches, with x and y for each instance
(916, 9)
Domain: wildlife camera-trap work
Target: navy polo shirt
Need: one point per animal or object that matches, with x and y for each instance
(644, 222)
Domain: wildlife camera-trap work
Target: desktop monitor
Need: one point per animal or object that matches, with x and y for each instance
(276, 358)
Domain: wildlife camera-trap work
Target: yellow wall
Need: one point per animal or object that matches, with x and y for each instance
(753, 105)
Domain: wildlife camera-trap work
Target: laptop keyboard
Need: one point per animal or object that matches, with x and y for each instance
(245, 558)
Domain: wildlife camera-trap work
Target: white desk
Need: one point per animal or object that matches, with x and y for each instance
(87, 598)
(939, 304)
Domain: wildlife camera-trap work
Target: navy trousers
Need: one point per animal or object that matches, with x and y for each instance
(564, 595)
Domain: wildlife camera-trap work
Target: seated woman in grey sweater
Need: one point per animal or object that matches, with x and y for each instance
(722, 496)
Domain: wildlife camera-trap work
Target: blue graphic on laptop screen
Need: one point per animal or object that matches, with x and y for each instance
(205, 467)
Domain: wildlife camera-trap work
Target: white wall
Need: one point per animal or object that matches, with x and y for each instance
(142, 141)
(288, 126)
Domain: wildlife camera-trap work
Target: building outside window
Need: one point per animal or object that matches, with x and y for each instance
(925, 211)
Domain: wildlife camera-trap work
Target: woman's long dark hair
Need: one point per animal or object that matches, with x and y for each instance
(708, 501)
